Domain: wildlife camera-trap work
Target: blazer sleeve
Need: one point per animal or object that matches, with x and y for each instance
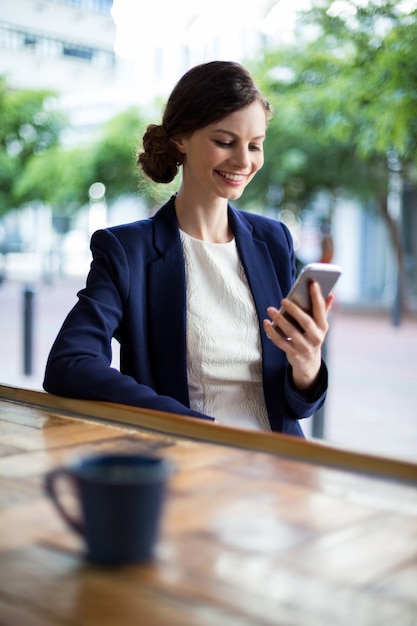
(79, 363)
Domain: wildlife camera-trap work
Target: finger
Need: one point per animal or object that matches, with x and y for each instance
(320, 307)
(293, 317)
(318, 311)
(329, 302)
(282, 331)
(276, 334)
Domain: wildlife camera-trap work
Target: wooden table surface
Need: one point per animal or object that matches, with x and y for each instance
(248, 537)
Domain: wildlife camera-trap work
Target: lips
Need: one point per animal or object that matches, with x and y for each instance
(235, 178)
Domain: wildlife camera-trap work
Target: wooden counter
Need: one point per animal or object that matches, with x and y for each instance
(249, 537)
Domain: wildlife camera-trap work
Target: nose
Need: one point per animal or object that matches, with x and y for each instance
(242, 157)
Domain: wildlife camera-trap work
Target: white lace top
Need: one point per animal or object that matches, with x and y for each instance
(224, 357)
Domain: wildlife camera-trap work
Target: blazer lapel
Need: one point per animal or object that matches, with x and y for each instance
(167, 301)
(261, 275)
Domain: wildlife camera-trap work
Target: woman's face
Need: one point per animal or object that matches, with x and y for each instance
(222, 158)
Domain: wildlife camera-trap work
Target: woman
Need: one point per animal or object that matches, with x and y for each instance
(185, 291)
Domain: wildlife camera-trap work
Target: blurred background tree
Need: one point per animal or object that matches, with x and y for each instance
(29, 125)
(345, 101)
(62, 177)
(345, 104)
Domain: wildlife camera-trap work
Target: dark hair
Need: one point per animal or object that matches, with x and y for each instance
(205, 94)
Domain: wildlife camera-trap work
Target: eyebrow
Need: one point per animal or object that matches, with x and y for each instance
(229, 132)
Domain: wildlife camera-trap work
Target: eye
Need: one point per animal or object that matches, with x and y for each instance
(255, 148)
(223, 144)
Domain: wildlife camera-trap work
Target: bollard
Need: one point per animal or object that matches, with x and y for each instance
(397, 306)
(318, 420)
(28, 296)
(317, 430)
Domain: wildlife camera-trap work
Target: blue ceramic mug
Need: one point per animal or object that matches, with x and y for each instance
(121, 499)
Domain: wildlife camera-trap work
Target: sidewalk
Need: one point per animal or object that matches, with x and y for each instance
(372, 399)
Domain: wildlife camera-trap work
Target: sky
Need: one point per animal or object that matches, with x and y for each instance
(161, 39)
(195, 22)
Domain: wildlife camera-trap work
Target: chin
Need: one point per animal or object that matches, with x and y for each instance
(234, 194)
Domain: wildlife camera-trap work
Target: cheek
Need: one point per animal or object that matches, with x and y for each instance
(258, 162)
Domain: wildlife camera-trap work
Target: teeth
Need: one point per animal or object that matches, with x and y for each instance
(235, 177)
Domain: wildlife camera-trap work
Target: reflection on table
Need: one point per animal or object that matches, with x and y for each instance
(248, 537)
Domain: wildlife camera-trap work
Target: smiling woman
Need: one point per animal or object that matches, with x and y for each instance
(186, 292)
(202, 99)
(220, 159)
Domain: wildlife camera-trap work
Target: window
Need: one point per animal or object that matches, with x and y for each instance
(12, 38)
(79, 52)
(95, 6)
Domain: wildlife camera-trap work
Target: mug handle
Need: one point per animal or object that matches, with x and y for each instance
(50, 487)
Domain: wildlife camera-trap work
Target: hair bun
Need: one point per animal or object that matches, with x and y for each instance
(160, 157)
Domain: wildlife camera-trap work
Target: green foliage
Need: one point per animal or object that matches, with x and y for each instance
(62, 178)
(29, 125)
(342, 102)
(113, 156)
(378, 43)
(58, 177)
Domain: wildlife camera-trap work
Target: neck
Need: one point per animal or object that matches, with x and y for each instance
(205, 222)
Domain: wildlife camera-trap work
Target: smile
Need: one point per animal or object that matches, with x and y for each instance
(236, 178)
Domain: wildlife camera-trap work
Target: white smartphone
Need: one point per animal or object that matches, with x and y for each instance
(325, 274)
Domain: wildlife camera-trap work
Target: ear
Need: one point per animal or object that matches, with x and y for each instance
(180, 142)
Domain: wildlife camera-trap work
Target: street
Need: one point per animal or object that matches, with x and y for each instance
(372, 399)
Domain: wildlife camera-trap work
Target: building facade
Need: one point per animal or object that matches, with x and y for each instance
(100, 56)
(66, 46)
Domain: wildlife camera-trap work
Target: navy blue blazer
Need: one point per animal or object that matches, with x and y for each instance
(135, 292)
